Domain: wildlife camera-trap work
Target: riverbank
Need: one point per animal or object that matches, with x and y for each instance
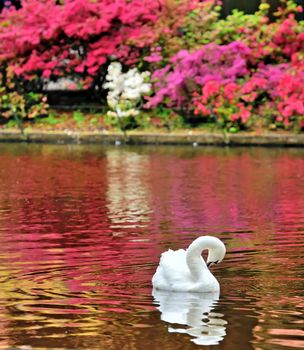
(185, 137)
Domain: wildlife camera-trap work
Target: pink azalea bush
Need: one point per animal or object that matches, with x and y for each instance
(48, 39)
(285, 86)
(187, 71)
(274, 94)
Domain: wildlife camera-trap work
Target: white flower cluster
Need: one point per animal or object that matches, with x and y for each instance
(125, 89)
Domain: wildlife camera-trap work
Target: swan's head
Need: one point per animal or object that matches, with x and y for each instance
(217, 251)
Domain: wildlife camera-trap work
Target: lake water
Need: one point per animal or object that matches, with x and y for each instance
(82, 229)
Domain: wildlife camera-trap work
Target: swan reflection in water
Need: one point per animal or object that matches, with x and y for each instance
(193, 310)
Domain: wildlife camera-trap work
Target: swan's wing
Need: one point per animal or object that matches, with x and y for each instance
(172, 269)
(174, 261)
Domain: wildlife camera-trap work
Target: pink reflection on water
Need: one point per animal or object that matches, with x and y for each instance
(240, 191)
(66, 201)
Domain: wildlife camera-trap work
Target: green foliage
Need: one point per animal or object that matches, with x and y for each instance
(166, 118)
(22, 106)
(78, 117)
(238, 26)
(183, 25)
(19, 104)
(157, 119)
(51, 119)
(12, 123)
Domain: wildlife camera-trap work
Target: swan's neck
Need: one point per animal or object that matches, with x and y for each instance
(195, 262)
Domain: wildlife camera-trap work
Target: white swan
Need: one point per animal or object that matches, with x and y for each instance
(186, 271)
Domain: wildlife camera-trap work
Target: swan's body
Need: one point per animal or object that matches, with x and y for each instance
(186, 271)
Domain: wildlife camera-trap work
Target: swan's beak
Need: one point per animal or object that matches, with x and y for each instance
(209, 263)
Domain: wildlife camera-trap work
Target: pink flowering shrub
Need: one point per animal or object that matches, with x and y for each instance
(274, 94)
(285, 86)
(222, 101)
(188, 71)
(77, 37)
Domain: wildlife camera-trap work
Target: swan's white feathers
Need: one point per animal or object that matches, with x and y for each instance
(173, 272)
(172, 269)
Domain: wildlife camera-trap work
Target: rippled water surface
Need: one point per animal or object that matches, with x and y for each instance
(82, 229)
